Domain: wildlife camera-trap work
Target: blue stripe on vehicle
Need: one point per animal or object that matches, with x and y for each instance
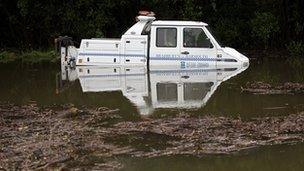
(192, 70)
(161, 58)
(110, 75)
(107, 54)
(182, 59)
(192, 59)
(159, 72)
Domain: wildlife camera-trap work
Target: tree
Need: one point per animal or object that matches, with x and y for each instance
(264, 26)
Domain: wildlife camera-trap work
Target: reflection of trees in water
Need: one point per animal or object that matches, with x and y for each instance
(297, 66)
(276, 71)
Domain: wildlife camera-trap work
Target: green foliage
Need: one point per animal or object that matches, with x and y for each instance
(39, 57)
(6, 57)
(29, 24)
(296, 49)
(264, 26)
(193, 12)
(31, 57)
(296, 60)
(227, 31)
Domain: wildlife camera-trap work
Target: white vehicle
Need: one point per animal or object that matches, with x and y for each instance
(156, 88)
(155, 43)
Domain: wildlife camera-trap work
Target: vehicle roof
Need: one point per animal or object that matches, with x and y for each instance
(178, 23)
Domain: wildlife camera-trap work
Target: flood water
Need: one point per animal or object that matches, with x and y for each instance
(160, 92)
(276, 158)
(163, 92)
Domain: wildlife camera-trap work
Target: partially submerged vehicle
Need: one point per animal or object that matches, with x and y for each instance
(154, 43)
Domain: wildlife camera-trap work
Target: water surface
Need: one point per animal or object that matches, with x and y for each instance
(162, 93)
(272, 158)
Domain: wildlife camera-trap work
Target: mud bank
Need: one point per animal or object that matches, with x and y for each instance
(60, 137)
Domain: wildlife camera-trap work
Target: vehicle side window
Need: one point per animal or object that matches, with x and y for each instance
(196, 38)
(166, 37)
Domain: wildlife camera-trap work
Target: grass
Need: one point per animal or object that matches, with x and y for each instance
(7, 57)
(31, 57)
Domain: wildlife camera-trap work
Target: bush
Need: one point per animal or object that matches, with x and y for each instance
(296, 49)
(39, 56)
(264, 26)
(29, 57)
(6, 57)
(296, 52)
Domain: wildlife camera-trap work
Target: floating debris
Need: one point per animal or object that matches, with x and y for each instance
(66, 137)
(265, 88)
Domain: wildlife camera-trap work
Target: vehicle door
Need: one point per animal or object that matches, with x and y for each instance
(197, 51)
(135, 49)
(164, 48)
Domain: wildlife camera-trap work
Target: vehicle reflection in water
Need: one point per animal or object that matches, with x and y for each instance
(153, 88)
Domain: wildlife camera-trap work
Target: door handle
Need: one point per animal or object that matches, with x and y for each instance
(185, 77)
(185, 53)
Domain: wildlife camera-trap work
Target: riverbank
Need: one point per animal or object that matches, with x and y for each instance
(29, 57)
(65, 137)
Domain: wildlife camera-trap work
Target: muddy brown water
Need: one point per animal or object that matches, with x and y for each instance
(26, 84)
(278, 158)
(21, 85)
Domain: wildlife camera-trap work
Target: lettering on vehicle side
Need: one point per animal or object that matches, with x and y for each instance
(167, 56)
(185, 65)
(204, 73)
(180, 56)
